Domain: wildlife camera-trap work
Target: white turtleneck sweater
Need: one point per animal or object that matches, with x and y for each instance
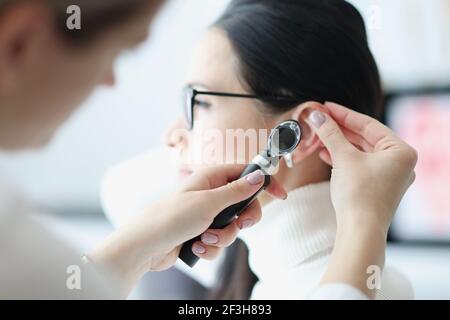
(290, 247)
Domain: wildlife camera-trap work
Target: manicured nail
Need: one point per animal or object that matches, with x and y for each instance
(198, 249)
(246, 224)
(209, 238)
(317, 118)
(255, 177)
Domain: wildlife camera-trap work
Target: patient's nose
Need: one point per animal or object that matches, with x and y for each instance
(176, 134)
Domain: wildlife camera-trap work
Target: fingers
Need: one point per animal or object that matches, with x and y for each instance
(368, 128)
(329, 133)
(236, 191)
(221, 237)
(215, 239)
(219, 176)
(276, 190)
(205, 252)
(326, 157)
(213, 177)
(251, 216)
(225, 237)
(357, 140)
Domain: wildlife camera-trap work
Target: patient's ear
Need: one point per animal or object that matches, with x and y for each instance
(310, 143)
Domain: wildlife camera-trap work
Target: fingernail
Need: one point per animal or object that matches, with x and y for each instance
(317, 118)
(198, 249)
(209, 238)
(246, 224)
(255, 177)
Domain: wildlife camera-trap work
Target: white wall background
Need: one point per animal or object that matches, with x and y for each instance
(411, 45)
(410, 39)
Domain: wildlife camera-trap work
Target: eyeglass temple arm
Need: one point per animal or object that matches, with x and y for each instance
(250, 96)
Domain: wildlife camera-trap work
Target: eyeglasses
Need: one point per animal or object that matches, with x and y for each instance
(190, 94)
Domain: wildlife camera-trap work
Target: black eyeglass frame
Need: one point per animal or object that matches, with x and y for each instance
(193, 93)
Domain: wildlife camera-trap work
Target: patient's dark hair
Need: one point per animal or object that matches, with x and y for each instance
(313, 48)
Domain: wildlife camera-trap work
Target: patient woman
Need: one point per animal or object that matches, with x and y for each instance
(287, 54)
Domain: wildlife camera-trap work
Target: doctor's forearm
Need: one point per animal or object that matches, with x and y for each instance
(121, 256)
(357, 250)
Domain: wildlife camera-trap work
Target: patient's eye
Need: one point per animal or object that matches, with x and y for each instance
(202, 104)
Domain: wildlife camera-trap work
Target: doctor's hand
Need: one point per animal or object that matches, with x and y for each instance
(153, 239)
(372, 169)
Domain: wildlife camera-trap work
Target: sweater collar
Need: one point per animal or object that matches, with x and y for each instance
(292, 231)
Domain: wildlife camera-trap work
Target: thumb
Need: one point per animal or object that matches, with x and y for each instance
(329, 133)
(236, 191)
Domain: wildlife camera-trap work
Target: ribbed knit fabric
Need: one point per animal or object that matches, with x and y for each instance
(290, 247)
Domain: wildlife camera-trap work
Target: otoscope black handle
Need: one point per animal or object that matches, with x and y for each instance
(224, 218)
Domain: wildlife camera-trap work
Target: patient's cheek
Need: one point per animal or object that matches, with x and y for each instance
(217, 146)
(205, 148)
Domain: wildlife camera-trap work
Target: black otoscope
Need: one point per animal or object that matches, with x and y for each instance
(283, 140)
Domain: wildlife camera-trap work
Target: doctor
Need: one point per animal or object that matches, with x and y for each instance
(47, 71)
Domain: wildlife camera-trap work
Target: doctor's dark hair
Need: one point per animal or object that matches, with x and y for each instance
(296, 48)
(96, 15)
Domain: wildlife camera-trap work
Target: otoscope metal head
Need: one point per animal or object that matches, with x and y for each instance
(283, 140)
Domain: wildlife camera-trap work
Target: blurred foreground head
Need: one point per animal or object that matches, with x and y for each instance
(48, 69)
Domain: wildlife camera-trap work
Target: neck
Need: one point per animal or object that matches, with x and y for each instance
(312, 170)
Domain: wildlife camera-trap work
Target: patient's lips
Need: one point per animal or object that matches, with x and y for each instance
(184, 172)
